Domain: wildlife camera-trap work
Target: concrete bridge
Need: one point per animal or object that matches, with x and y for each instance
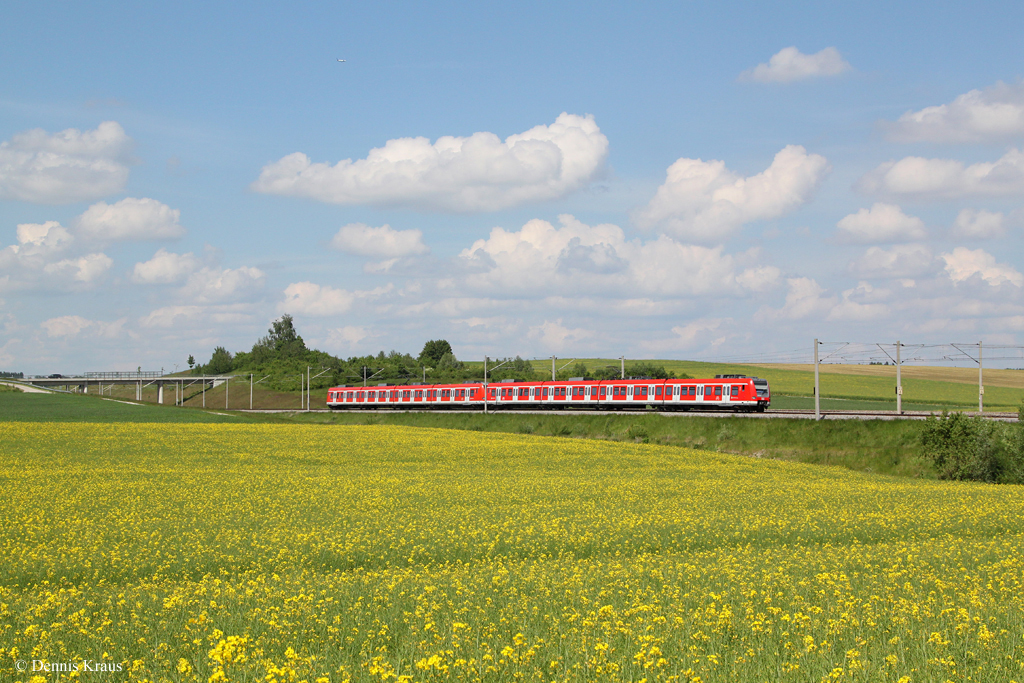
(100, 381)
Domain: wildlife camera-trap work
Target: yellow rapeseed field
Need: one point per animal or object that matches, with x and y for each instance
(285, 553)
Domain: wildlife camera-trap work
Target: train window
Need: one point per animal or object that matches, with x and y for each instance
(693, 391)
(735, 391)
(718, 391)
(643, 391)
(657, 391)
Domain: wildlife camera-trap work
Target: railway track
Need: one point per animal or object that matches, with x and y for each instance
(769, 414)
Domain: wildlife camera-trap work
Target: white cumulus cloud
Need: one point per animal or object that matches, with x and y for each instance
(165, 267)
(704, 331)
(804, 298)
(978, 224)
(860, 303)
(86, 269)
(989, 115)
(48, 236)
(40, 260)
(476, 173)
(540, 259)
(76, 325)
(553, 335)
(947, 178)
(881, 223)
(963, 263)
(346, 338)
(130, 219)
(69, 166)
(901, 261)
(789, 64)
(308, 298)
(210, 285)
(704, 201)
(361, 239)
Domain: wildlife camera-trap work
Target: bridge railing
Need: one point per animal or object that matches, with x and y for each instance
(145, 374)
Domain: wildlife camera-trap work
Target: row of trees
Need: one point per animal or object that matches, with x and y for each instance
(281, 357)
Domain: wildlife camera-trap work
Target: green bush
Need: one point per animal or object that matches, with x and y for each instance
(973, 449)
(638, 433)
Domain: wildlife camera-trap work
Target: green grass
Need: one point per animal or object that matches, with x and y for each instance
(58, 407)
(882, 446)
(784, 402)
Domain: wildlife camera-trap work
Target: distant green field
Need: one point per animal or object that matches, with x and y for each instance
(937, 395)
(19, 407)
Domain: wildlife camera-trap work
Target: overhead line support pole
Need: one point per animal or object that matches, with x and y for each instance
(981, 386)
(817, 387)
(899, 385)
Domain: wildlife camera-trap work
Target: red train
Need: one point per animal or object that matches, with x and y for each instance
(724, 392)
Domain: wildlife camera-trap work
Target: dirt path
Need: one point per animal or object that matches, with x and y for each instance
(27, 388)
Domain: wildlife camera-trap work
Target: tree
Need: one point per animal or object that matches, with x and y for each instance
(282, 341)
(448, 363)
(434, 350)
(191, 361)
(220, 362)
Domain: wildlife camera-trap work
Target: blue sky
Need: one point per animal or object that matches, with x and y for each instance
(684, 180)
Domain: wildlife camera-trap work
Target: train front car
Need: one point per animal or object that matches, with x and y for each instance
(724, 392)
(763, 392)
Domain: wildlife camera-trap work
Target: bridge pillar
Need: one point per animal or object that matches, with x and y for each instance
(160, 392)
(83, 388)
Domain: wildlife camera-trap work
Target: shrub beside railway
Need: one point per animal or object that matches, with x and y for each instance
(967, 448)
